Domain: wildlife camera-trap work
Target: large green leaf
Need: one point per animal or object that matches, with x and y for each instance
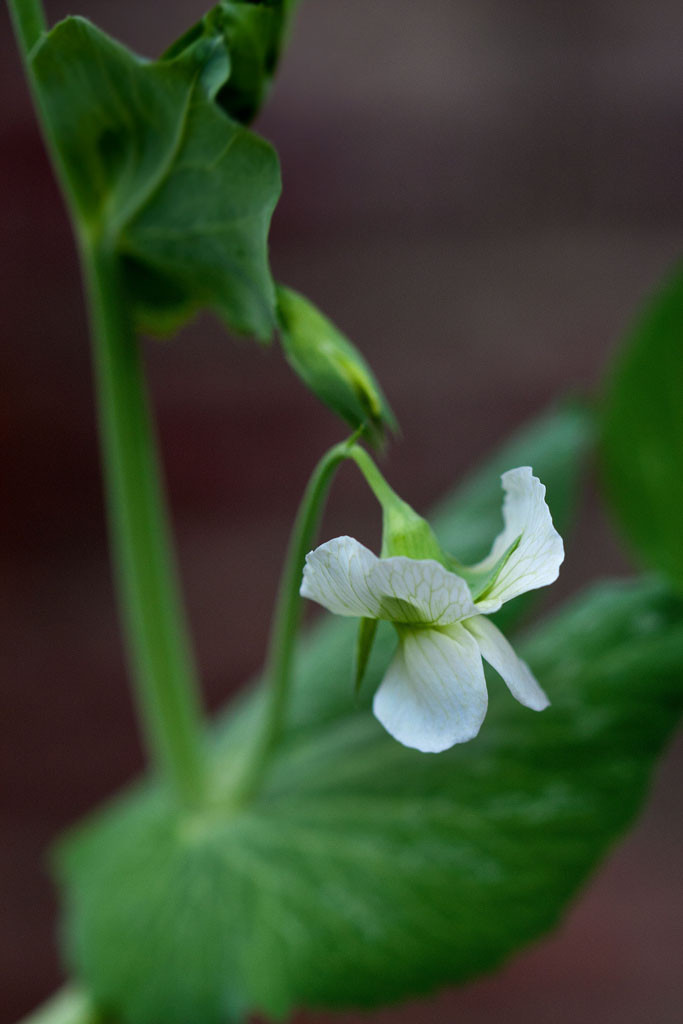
(156, 169)
(365, 872)
(643, 433)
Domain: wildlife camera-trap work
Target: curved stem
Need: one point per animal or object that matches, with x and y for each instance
(287, 615)
(154, 621)
(288, 603)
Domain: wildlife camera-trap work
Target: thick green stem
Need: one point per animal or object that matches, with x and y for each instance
(287, 616)
(162, 666)
(29, 23)
(159, 650)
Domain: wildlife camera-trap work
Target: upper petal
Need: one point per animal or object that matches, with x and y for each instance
(337, 575)
(500, 655)
(412, 590)
(536, 560)
(434, 692)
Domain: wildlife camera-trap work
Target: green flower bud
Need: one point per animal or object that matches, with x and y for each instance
(331, 366)
(252, 36)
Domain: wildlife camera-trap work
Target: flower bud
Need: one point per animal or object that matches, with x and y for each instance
(331, 366)
(251, 35)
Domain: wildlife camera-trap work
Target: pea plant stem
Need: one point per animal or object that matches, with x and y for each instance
(154, 621)
(162, 668)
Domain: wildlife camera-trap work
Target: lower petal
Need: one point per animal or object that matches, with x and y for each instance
(434, 692)
(515, 673)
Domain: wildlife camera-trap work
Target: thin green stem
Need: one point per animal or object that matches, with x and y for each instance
(287, 617)
(288, 604)
(157, 638)
(29, 23)
(374, 479)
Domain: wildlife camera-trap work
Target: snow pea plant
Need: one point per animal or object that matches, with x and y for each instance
(302, 851)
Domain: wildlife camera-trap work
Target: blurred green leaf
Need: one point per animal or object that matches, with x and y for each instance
(253, 34)
(331, 366)
(155, 169)
(366, 872)
(642, 433)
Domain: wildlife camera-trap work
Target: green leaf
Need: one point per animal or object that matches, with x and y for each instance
(253, 35)
(331, 366)
(155, 169)
(642, 433)
(367, 872)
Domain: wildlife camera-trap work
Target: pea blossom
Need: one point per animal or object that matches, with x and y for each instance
(433, 694)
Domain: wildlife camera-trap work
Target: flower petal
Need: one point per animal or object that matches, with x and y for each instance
(515, 673)
(434, 692)
(414, 591)
(337, 576)
(536, 560)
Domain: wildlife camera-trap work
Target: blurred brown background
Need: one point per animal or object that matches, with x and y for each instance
(480, 193)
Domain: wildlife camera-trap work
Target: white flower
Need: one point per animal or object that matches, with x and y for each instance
(433, 694)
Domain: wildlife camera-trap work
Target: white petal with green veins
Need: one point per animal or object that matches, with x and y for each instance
(514, 672)
(420, 591)
(434, 692)
(536, 560)
(337, 575)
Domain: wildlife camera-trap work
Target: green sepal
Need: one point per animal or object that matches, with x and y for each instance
(331, 366)
(157, 172)
(404, 532)
(253, 35)
(365, 637)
